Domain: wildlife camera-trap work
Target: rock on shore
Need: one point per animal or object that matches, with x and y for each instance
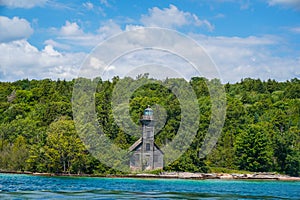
(189, 175)
(181, 175)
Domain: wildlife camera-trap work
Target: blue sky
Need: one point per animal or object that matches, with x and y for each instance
(50, 38)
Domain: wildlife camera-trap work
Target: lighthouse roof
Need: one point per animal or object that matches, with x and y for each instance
(148, 111)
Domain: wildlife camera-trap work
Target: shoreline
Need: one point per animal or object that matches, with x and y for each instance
(173, 175)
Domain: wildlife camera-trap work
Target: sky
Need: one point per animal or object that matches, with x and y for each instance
(51, 39)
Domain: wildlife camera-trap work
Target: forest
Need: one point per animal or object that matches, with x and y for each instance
(261, 132)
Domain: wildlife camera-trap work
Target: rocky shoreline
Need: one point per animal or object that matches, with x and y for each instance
(202, 176)
(179, 175)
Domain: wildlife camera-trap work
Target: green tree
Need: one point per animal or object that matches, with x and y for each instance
(19, 153)
(253, 149)
(63, 148)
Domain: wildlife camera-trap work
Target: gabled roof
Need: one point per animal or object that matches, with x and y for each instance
(158, 148)
(136, 144)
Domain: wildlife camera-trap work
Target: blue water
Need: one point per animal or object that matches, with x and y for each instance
(14, 186)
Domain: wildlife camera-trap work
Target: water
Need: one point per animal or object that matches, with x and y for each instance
(14, 186)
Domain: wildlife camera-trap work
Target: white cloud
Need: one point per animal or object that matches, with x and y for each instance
(22, 3)
(109, 28)
(252, 56)
(14, 29)
(204, 22)
(172, 17)
(137, 55)
(131, 27)
(285, 3)
(72, 36)
(96, 63)
(105, 2)
(88, 5)
(50, 62)
(236, 57)
(295, 29)
(49, 50)
(33, 63)
(70, 29)
(168, 17)
(56, 44)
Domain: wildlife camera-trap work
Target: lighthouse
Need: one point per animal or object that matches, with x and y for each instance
(146, 155)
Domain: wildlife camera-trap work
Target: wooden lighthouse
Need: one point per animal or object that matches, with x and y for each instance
(146, 155)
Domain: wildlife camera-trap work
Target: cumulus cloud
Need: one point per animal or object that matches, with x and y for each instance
(48, 62)
(70, 29)
(34, 63)
(22, 3)
(14, 29)
(131, 27)
(56, 44)
(236, 57)
(72, 36)
(109, 28)
(251, 56)
(295, 4)
(49, 50)
(172, 17)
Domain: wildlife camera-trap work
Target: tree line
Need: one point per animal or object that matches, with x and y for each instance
(261, 131)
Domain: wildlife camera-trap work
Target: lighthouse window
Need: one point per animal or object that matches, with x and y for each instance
(148, 134)
(148, 112)
(147, 147)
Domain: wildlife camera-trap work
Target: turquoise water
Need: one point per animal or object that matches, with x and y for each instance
(14, 186)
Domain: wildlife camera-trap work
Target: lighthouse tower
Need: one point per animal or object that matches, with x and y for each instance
(146, 155)
(147, 121)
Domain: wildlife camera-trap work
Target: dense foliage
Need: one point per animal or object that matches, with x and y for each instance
(261, 130)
